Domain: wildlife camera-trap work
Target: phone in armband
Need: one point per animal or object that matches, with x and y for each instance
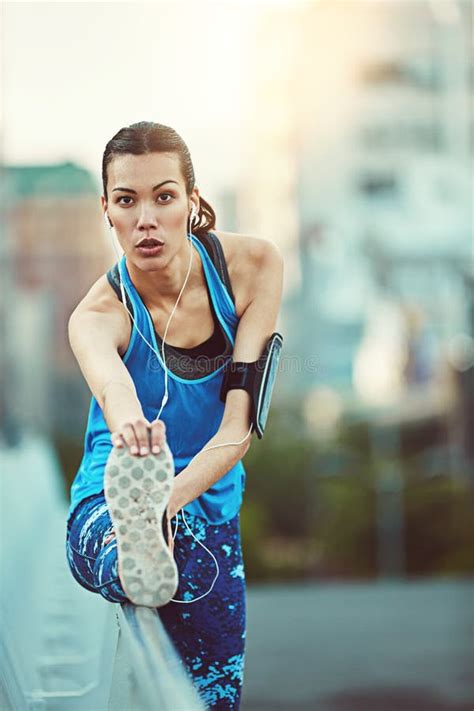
(257, 378)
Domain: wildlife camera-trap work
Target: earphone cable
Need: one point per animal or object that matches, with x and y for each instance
(165, 397)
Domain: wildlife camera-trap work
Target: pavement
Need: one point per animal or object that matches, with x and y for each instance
(382, 646)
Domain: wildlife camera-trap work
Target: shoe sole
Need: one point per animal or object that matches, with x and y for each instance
(137, 490)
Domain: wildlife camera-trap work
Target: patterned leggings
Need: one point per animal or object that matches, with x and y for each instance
(209, 635)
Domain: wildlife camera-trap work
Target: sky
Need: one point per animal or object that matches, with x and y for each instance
(74, 73)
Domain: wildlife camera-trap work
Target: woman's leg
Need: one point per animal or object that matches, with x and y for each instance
(93, 561)
(210, 634)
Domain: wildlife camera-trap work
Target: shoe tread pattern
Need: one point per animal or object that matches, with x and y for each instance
(137, 490)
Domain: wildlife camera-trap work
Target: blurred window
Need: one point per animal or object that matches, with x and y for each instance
(422, 72)
(403, 134)
(378, 185)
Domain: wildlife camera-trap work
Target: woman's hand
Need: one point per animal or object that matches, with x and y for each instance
(141, 436)
(174, 506)
(171, 512)
(170, 537)
(177, 499)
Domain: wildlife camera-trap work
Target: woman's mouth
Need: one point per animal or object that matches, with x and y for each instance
(150, 247)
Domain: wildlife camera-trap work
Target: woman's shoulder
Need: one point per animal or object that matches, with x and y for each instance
(238, 246)
(243, 254)
(100, 296)
(101, 305)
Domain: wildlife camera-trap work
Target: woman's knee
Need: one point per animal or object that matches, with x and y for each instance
(93, 575)
(80, 567)
(105, 574)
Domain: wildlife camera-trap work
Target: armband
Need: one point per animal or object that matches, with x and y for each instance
(257, 378)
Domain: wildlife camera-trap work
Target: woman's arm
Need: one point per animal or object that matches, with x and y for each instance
(262, 270)
(98, 329)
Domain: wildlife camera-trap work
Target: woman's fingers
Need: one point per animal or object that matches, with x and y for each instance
(127, 432)
(170, 536)
(141, 436)
(157, 435)
(117, 439)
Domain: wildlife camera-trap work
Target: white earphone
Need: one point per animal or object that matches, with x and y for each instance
(192, 215)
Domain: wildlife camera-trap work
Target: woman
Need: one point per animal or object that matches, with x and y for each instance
(227, 310)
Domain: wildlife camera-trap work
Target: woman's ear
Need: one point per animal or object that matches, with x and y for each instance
(103, 202)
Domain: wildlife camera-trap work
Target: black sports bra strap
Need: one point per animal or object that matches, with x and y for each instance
(214, 249)
(114, 281)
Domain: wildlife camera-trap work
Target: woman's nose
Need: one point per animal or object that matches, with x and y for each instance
(146, 217)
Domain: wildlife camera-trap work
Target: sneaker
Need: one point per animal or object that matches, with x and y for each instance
(137, 490)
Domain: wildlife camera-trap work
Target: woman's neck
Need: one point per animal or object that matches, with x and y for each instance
(160, 289)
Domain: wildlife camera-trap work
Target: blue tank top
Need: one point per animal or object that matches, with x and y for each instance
(192, 414)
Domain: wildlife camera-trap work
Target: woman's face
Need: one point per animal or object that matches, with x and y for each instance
(148, 201)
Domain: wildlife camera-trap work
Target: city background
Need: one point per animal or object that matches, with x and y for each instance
(344, 132)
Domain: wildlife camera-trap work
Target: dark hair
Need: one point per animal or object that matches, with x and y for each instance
(149, 137)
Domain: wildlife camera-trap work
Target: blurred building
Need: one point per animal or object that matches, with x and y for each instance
(360, 167)
(53, 249)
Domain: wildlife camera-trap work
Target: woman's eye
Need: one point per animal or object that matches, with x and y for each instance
(127, 197)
